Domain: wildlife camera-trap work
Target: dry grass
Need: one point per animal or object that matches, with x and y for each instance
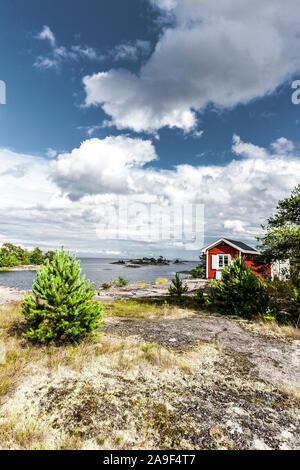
(119, 392)
(280, 331)
(23, 434)
(292, 391)
(142, 309)
(29, 368)
(9, 313)
(119, 352)
(15, 354)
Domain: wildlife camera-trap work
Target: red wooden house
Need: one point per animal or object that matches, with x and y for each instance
(221, 252)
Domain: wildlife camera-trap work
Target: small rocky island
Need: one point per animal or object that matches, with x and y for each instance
(135, 263)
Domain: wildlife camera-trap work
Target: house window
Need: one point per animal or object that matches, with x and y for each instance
(223, 261)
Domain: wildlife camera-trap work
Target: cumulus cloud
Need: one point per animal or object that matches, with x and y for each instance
(236, 226)
(238, 197)
(248, 150)
(102, 166)
(282, 146)
(68, 199)
(224, 54)
(34, 213)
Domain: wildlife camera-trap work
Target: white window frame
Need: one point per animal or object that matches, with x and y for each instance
(221, 260)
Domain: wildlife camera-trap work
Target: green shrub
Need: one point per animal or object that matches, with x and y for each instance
(177, 289)
(284, 300)
(277, 288)
(7, 259)
(199, 298)
(49, 255)
(197, 273)
(36, 257)
(119, 282)
(105, 286)
(294, 297)
(62, 306)
(240, 292)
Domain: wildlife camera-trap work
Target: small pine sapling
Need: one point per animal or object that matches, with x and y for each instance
(62, 307)
(177, 289)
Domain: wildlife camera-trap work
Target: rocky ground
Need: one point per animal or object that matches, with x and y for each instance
(10, 294)
(159, 377)
(273, 361)
(132, 291)
(147, 290)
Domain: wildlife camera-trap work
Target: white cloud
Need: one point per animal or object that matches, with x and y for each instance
(59, 54)
(63, 200)
(248, 150)
(222, 54)
(47, 34)
(236, 226)
(90, 130)
(282, 146)
(51, 153)
(198, 134)
(102, 166)
(238, 197)
(131, 50)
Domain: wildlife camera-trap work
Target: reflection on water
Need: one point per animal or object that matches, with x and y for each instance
(100, 270)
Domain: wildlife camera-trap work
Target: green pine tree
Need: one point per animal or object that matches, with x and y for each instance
(240, 292)
(62, 306)
(177, 289)
(282, 238)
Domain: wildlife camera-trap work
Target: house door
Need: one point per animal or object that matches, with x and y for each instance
(219, 261)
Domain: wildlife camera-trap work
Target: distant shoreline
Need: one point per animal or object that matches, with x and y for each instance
(139, 262)
(21, 267)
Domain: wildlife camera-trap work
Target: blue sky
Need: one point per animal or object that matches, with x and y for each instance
(152, 101)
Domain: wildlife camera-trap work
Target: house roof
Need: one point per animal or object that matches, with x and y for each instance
(241, 246)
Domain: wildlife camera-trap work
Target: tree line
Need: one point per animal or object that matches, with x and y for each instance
(12, 255)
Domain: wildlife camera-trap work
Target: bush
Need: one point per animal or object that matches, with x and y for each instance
(294, 296)
(62, 307)
(197, 273)
(105, 286)
(177, 289)
(7, 259)
(119, 282)
(284, 300)
(49, 255)
(240, 292)
(12, 255)
(36, 257)
(199, 298)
